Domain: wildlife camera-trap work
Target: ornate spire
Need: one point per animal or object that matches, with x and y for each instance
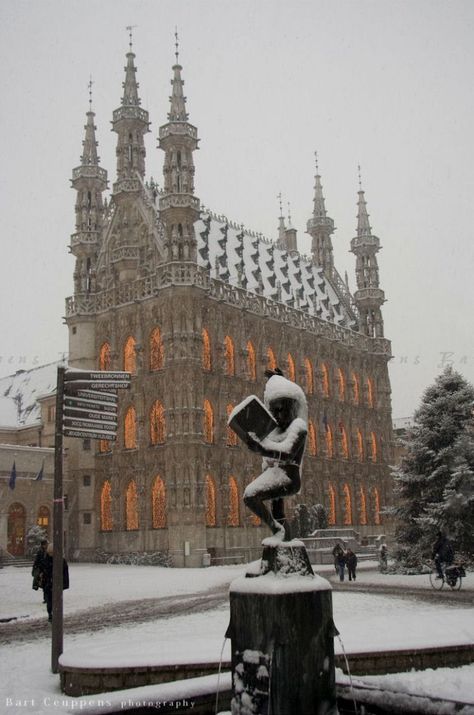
(281, 222)
(89, 154)
(363, 225)
(320, 227)
(177, 111)
(130, 86)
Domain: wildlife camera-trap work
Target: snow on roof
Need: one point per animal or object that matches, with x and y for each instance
(399, 423)
(19, 394)
(250, 261)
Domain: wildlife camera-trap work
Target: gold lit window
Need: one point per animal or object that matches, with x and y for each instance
(291, 367)
(370, 392)
(355, 389)
(308, 369)
(271, 359)
(332, 505)
(329, 442)
(131, 507)
(130, 429)
(157, 423)
(360, 446)
(344, 442)
(313, 447)
(206, 350)
(341, 381)
(373, 447)
(104, 446)
(347, 505)
(156, 350)
(376, 503)
(106, 523)
(208, 422)
(130, 355)
(232, 439)
(104, 357)
(251, 361)
(210, 501)
(325, 379)
(229, 356)
(158, 504)
(363, 507)
(233, 515)
(43, 517)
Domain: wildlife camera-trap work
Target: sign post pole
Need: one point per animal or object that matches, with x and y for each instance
(58, 505)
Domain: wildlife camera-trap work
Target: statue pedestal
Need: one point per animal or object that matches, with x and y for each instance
(282, 633)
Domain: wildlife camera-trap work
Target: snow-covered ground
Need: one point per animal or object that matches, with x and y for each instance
(366, 622)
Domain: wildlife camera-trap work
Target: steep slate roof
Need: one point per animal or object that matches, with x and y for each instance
(19, 393)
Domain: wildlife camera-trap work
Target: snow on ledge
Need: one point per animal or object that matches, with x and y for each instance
(274, 584)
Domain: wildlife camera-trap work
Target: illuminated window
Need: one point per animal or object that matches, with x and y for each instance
(255, 520)
(43, 517)
(373, 447)
(341, 382)
(104, 357)
(106, 523)
(232, 439)
(360, 446)
(329, 442)
(104, 446)
(206, 350)
(157, 423)
(131, 507)
(210, 501)
(156, 350)
(271, 359)
(130, 429)
(158, 504)
(355, 389)
(344, 442)
(347, 506)
(363, 507)
(291, 368)
(251, 361)
(229, 356)
(370, 392)
(308, 369)
(233, 515)
(332, 505)
(130, 355)
(324, 379)
(376, 505)
(313, 447)
(208, 422)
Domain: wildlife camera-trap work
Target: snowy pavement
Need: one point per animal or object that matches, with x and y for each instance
(366, 622)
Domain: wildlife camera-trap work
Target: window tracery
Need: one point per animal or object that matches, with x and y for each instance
(370, 392)
(363, 507)
(360, 445)
(324, 379)
(373, 447)
(347, 505)
(106, 523)
(271, 359)
(158, 503)
(233, 518)
(206, 350)
(329, 441)
(210, 501)
(156, 350)
(104, 357)
(130, 429)
(232, 439)
(376, 506)
(344, 442)
(313, 447)
(355, 389)
(131, 507)
(332, 505)
(308, 367)
(130, 355)
(208, 422)
(157, 423)
(251, 361)
(229, 356)
(291, 368)
(341, 381)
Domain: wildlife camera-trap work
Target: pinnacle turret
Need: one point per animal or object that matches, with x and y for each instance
(320, 227)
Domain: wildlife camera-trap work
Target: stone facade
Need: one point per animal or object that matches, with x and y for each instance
(156, 294)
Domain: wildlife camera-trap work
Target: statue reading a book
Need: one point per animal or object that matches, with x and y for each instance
(277, 430)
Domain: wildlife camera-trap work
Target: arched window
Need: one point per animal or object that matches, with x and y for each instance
(43, 517)
(344, 442)
(341, 384)
(232, 439)
(355, 389)
(313, 446)
(373, 447)
(363, 507)
(329, 442)
(229, 356)
(324, 379)
(271, 359)
(130, 355)
(131, 507)
(156, 350)
(158, 504)
(106, 523)
(233, 518)
(291, 368)
(376, 505)
(251, 362)
(332, 505)
(347, 505)
(130, 429)
(104, 357)
(360, 446)
(157, 423)
(370, 392)
(206, 350)
(208, 422)
(210, 501)
(308, 369)
(104, 446)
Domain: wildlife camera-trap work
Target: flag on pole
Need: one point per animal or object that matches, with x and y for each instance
(12, 479)
(39, 476)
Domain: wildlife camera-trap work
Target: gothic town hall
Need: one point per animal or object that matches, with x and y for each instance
(196, 308)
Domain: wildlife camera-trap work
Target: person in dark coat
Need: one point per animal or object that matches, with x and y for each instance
(335, 552)
(36, 570)
(351, 561)
(340, 561)
(46, 568)
(443, 553)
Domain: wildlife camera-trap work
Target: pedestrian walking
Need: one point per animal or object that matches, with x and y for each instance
(351, 561)
(46, 577)
(340, 562)
(37, 563)
(383, 555)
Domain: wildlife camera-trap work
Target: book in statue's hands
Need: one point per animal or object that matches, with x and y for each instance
(251, 416)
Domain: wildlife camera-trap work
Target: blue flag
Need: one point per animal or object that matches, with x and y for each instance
(39, 476)
(12, 480)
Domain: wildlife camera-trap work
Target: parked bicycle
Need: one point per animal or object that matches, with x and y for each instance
(452, 576)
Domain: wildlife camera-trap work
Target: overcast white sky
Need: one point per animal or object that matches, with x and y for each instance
(381, 83)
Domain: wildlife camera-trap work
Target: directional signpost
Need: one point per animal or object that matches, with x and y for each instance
(86, 408)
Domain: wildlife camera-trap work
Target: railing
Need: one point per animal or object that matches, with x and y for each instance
(89, 171)
(130, 112)
(173, 128)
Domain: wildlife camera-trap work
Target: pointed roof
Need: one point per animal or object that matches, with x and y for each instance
(177, 111)
(363, 225)
(130, 86)
(89, 154)
(320, 217)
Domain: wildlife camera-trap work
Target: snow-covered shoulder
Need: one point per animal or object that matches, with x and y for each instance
(285, 441)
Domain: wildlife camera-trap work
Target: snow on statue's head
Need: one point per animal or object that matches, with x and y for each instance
(279, 387)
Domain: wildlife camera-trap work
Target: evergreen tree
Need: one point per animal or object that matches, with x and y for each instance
(431, 472)
(319, 517)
